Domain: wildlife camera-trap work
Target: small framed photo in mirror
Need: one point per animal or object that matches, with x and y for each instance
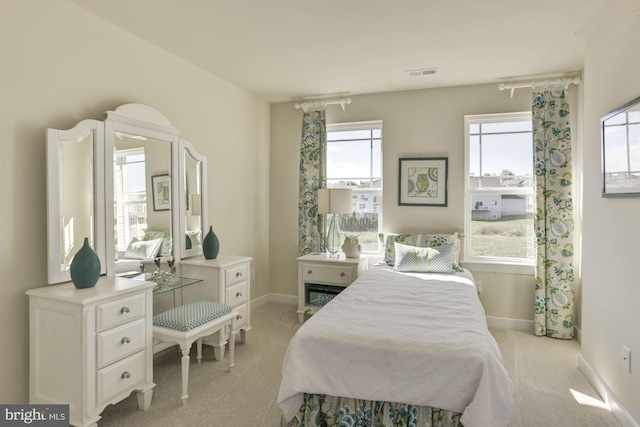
(161, 189)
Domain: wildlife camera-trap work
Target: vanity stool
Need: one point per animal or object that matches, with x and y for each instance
(191, 322)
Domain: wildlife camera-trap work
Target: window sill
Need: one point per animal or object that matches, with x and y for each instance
(499, 267)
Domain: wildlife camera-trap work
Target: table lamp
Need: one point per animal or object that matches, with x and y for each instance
(334, 201)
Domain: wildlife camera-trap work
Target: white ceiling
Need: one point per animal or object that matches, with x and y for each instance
(284, 50)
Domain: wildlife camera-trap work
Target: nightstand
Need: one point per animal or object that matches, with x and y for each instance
(324, 274)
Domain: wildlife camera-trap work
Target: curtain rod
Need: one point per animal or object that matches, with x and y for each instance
(543, 83)
(322, 104)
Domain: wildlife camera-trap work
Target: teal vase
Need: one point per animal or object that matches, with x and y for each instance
(85, 267)
(210, 245)
(188, 244)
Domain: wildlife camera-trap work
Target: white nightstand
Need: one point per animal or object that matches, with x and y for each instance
(334, 271)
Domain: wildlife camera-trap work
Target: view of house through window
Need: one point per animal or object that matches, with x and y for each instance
(354, 160)
(500, 188)
(130, 195)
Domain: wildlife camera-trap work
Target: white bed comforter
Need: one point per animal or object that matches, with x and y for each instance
(419, 339)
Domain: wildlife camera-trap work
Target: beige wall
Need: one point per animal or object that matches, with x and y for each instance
(416, 123)
(611, 288)
(61, 64)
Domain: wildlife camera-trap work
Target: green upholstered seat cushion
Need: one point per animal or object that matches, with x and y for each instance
(191, 315)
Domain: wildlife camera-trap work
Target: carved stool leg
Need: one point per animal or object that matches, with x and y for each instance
(185, 375)
(232, 343)
(199, 347)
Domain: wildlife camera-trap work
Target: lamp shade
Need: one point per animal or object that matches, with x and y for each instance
(334, 201)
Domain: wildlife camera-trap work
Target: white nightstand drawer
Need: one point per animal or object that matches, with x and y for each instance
(237, 294)
(120, 311)
(237, 274)
(320, 273)
(120, 342)
(120, 377)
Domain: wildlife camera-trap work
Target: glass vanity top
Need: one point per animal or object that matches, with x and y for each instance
(166, 283)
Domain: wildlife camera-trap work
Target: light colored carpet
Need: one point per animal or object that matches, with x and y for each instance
(544, 371)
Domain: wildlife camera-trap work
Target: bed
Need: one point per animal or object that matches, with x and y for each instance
(397, 348)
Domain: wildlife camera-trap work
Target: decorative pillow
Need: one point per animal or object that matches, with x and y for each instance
(195, 236)
(424, 260)
(143, 249)
(165, 249)
(419, 240)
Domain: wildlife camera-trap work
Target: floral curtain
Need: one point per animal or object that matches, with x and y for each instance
(312, 176)
(554, 215)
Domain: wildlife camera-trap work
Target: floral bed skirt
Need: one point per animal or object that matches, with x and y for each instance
(319, 410)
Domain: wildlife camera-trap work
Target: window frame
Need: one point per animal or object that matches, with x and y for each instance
(491, 263)
(120, 163)
(365, 125)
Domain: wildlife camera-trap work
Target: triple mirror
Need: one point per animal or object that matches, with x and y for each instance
(129, 185)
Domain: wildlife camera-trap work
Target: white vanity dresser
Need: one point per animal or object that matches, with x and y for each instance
(91, 347)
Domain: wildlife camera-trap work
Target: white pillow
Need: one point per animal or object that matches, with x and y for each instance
(143, 249)
(438, 259)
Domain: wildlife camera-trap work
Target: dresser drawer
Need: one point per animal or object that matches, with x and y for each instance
(120, 377)
(237, 274)
(319, 273)
(237, 294)
(241, 320)
(120, 311)
(120, 342)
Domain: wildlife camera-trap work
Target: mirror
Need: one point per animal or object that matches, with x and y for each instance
(75, 200)
(621, 151)
(126, 183)
(193, 181)
(141, 145)
(142, 201)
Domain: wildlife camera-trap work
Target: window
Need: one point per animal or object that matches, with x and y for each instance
(354, 160)
(130, 196)
(499, 189)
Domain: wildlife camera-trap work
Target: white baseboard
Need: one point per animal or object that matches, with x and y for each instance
(508, 323)
(622, 415)
(277, 298)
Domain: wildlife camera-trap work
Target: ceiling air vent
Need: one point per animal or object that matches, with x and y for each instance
(422, 72)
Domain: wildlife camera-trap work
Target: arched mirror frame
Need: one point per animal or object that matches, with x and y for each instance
(190, 206)
(58, 231)
(146, 122)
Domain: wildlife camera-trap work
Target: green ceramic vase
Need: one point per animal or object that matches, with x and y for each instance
(210, 245)
(85, 267)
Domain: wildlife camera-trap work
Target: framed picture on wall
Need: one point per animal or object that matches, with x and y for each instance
(423, 181)
(161, 190)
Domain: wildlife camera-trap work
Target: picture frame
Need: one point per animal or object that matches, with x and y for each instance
(161, 190)
(423, 181)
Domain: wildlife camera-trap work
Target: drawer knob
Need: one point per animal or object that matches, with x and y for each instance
(125, 310)
(342, 274)
(238, 274)
(238, 294)
(239, 317)
(310, 271)
(125, 375)
(125, 340)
